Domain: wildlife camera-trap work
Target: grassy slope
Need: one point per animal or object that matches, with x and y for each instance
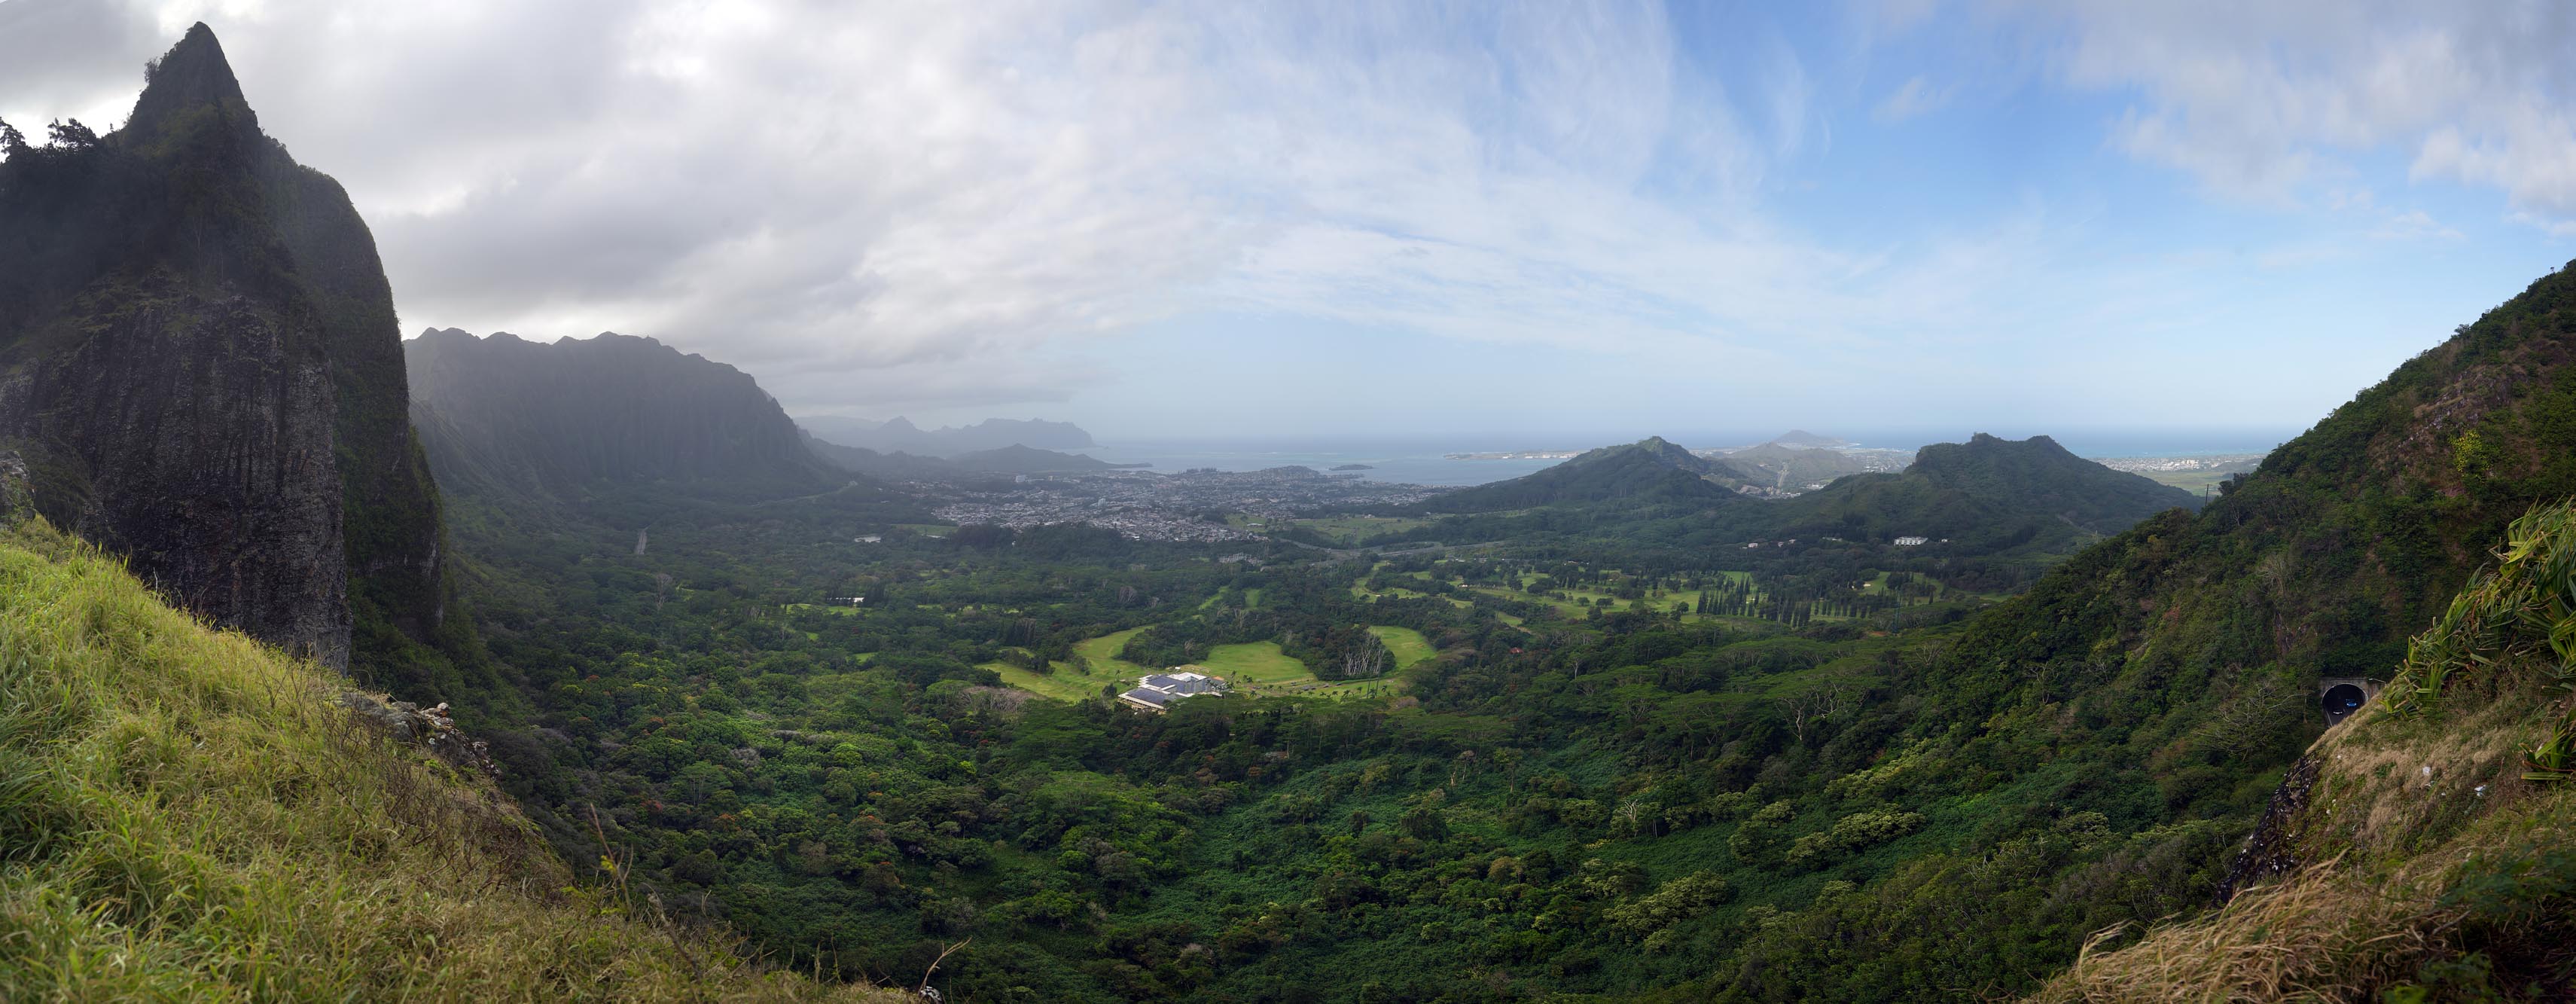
(1259, 662)
(1406, 644)
(188, 814)
(2424, 861)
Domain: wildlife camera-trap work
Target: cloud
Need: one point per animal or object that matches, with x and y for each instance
(805, 190)
(2263, 101)
(1913, 98)
(907, 206)
(2414, 224)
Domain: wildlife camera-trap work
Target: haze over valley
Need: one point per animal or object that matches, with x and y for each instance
(1404, 504)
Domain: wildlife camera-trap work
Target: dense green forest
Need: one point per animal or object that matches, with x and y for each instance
(1607, 777)
(2008, 723)
(1628, 762)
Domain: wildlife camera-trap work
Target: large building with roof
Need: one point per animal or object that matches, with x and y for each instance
(1157, 691)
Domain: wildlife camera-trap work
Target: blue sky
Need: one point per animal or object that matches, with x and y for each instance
(1556, 220)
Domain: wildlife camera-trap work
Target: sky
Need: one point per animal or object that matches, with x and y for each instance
(1553, 220)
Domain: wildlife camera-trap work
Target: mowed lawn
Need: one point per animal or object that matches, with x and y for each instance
(1102, 653)
(1069, 682)
(1064, 684)
(1408, 645)
(1258, 662)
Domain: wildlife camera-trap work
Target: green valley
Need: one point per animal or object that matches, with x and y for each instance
(335, 666)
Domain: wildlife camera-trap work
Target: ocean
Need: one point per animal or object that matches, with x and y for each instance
(1426, 460)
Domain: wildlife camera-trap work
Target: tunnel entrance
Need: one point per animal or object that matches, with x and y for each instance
(2342, 700)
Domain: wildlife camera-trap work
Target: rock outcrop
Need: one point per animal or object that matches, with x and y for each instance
(200, 366)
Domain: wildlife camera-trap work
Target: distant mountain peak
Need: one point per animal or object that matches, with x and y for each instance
(194, 74)
(1803, 439)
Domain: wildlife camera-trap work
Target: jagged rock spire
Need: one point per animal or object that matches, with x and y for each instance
(194, 74)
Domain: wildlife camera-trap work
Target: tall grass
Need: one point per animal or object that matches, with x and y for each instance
(2440, 862)
(186, 814)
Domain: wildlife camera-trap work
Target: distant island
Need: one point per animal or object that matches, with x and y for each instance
(1802, 439)
(1355, 467)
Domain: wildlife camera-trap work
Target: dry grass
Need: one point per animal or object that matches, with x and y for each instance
(186, 814)
(2433, 851)
(2396, 818)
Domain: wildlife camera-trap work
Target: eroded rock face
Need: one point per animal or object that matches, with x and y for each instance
(207, 441)
(2272, 851)
(200, 369)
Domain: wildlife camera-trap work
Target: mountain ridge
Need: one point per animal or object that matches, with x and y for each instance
(554, 419)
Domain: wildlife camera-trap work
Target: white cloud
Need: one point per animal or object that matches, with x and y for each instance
(2262, 100)
(1913, 98)
(813, 191)
(904, 206)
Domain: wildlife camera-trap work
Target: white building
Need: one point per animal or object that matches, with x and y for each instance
(1157, 691)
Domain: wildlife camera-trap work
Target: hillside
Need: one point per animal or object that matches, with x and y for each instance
(2346, 537)
(1992, 492)
(1651, 471)
(199, 363)
(1802, 439)
(2418, 851)
(555, 420)
(207, 813)
(1017, 459)
(2163, 679)
(1988, 494)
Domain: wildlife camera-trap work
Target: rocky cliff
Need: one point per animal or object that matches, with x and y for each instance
(200, 364)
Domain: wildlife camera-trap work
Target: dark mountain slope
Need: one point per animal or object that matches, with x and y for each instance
(2345, 539)
(1025, 460)
(1996, 492)
(1650, 471)
(1989, 494)
(890, 466)
(198, 358)
(554, 421)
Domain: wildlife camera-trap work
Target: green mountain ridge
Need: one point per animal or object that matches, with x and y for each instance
(1652, 471)
(1986, 487)
(1594, 747)
(1999, 493)
(556, 420)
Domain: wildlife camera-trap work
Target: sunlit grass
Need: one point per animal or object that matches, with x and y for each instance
(189, 815)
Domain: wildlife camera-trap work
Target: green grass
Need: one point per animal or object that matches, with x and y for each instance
(1102, 654)
(1259, 662)
(1064, 684)
(1408, 645)
(191, 815)
(1351, 530)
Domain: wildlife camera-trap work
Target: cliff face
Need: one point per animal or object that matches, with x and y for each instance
(554, 420)
(200, 363)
